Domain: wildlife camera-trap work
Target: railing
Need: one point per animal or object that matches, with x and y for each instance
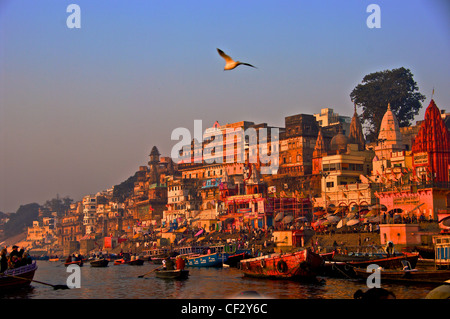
(21, 270)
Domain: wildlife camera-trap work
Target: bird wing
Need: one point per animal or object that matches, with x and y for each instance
(223, 55)
(248, 64)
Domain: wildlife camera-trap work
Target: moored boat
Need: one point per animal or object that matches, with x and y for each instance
(343, 265)
(207, 260)
(410, 275)
(300, 265)
(172, 274)
(234, 259)
(17, 277)
(135, 262)
(99, 262)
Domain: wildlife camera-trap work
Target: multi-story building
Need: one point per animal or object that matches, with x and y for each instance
(90, 213)
(70, 228)
(328, 119)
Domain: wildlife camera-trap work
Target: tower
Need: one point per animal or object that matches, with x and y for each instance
(153, 163)
(356, 135)
(431, 147)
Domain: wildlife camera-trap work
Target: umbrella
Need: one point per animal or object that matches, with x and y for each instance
(288, 219)
(201, 238)
(446, 221)
(302, 219)
(341, 223)
(333, 219)
(199, 232)
(352, 222)
(279, 217)
(372, 213)
(326, 223)
(374, 219)
(363, 210)
(319, 222)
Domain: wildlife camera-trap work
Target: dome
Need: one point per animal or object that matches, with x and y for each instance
(339, 141)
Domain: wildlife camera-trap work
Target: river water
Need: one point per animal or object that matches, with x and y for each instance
(122, 282)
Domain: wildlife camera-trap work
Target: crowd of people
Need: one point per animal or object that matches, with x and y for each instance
(16, 258)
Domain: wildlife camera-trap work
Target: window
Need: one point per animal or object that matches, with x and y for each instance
(330, 184)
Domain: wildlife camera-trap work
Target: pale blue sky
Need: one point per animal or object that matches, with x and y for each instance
(80, 109)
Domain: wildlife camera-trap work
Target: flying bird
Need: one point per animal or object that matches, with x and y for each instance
(230, 64)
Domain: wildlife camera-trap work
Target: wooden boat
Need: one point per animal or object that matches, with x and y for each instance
(25, 274)
(413, 275)
(234, 259)
(346, 268)
(394, 262)
(99, 262)
(172, 274)
(208, 260)
(300, 265)
(135, 262)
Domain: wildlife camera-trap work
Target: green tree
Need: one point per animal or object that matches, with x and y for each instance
(58, 205)
(396, 87)
(22, 219)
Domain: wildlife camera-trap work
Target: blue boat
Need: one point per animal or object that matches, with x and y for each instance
(208, 260)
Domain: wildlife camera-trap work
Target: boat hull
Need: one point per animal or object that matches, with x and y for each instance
(172, 274)
(100, 263)
(415, 275)
(26, 274)
(301, 265)
(136, 262)
(342, 267)
(209, 260)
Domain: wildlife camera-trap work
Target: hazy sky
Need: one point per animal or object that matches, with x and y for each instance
(80, 109)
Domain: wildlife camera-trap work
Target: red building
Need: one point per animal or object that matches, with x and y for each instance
(431, 148)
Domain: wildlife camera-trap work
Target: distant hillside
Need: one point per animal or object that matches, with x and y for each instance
(124, 189)
(22, 219)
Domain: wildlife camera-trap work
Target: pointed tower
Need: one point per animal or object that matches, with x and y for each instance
(356, 135)
(319, 151)
(154, 162)
(431, 147)
(254, 185)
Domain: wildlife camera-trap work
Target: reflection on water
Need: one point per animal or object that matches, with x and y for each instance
(122, 282)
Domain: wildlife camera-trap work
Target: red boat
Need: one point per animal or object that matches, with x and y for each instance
(134, 262)
(393, 262)
(300, 265)
(18, 277)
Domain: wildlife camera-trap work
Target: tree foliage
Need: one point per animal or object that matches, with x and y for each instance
(22, 219)
(396, 87)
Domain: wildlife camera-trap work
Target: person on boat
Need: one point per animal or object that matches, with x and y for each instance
(3, 260)
(390, 249)
(170, 264)
(15, 252)
(180, 263)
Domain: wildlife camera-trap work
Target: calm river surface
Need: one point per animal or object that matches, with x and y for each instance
(122, 282)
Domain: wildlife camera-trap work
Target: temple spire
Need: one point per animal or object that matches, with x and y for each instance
(356, 135)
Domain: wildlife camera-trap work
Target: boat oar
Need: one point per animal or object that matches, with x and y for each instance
(56, 287)
(141, 276)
